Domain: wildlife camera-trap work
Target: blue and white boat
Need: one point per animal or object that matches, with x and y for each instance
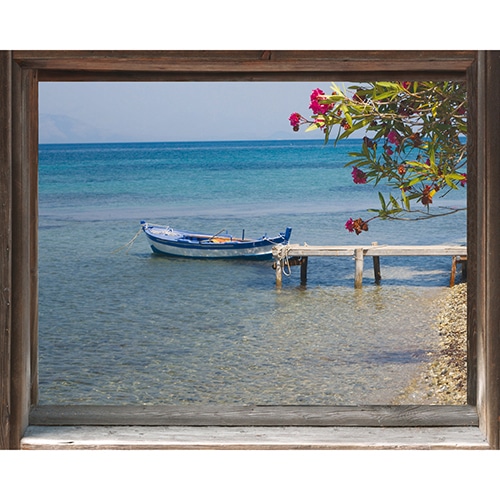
(174, 242)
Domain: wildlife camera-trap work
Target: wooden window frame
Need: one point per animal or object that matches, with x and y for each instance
(24, 424)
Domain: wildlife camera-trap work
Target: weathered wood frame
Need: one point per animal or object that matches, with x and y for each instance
(20, 72)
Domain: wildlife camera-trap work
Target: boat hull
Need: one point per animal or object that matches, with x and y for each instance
(167, 241)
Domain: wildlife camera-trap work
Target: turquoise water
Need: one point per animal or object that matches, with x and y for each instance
(121, 325)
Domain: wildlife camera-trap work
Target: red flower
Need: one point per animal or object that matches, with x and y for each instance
(316, 107)
(295, 120)
(349, 225)
(393, 137)
(463, 181)
(356, 226)
(358, 176)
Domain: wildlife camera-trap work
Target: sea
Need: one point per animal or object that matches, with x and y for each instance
(120, 325)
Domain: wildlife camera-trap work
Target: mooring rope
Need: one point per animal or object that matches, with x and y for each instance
(128, 245)
(287, 264)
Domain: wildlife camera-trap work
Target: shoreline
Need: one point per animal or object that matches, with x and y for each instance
(443, 380)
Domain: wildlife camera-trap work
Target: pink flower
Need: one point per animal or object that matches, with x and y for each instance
(389, 151)
(316, 107)
(463, 181)
(356, 226)
(349, 225)
(295, 119)
(358, 176)
(405, 85)
(393, 137)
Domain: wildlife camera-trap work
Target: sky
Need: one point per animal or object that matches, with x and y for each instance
(172, 111)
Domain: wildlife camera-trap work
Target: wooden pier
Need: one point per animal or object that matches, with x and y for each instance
(288, 255)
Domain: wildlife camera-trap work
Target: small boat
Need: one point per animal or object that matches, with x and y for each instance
(174, 242)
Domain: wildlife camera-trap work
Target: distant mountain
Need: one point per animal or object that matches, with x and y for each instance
(64, 129)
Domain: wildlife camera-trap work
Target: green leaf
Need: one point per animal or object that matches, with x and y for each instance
(392, 85)
(450, 183)
(406, 201)
(394, 202)
(456, 176)
(418, 164)
(382, 201)
(415, 181)
(335, 88)
(313, 126)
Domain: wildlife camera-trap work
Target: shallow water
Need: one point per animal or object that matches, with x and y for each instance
(122, 327)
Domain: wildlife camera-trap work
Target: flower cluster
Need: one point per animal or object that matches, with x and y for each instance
(356, 225)
(358, 176)
(393, 137)
(296, 119)
(317, 107)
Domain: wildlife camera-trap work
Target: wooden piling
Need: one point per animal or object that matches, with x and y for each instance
(279, 273)
(457, 259)
(358, 273)
(303, 271)
(376, 266)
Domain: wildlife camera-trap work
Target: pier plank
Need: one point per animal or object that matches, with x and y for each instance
(281, 251)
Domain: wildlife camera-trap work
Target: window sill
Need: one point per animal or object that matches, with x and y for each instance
(244, 438)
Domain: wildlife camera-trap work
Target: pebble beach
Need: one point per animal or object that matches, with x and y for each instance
(444, 378)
